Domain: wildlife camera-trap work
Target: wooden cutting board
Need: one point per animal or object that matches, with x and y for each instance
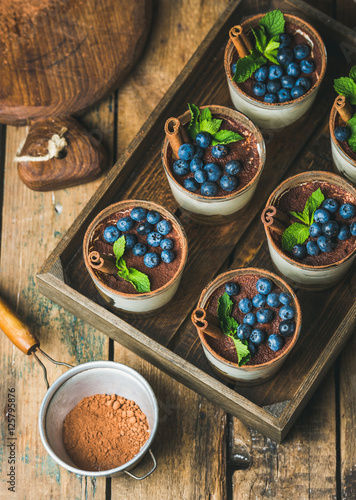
(59, 57)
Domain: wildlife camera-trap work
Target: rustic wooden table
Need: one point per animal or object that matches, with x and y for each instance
(201, 452)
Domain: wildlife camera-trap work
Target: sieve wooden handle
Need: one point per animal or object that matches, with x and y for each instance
(16, 330)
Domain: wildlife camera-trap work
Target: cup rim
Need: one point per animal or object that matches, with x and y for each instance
(222, 111)
(277, 281)
(114, 207)
(335, 142)
(304, 178)
(276, 105)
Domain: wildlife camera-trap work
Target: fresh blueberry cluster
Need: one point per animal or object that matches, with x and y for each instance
(257, 314)
(149, 224)
(326, 231)
(206, 176)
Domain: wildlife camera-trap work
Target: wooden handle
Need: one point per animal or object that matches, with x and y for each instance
(16, 330)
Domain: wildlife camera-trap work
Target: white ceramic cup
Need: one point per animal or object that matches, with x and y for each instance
(247, 374)
(342, 161)
(275, 115)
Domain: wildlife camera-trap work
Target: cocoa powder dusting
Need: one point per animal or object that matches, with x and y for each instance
(104, 431)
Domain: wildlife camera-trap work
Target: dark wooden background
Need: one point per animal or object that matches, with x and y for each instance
(202, 452)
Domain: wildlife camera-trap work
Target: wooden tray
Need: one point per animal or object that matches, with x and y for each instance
(168, 340)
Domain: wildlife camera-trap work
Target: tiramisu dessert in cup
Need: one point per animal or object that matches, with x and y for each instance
(135, 252)
(342, 126)
(213, 158)
(274, 65)
(248, 321)
(310, 225)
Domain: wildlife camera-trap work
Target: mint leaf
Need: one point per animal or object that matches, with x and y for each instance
(347, 87)
(211, 126)
(352, 73)
(273, 22)
(119, 247)
(294, 234)
(242, 350)
(352, 139)
(123, 271)
(300, 216)
(193, 127)
(313, 202)
(225, 137)
(225, 305)
(261, 38)
(272, 49)
(246, 66)
(139, 280)
(205, 114)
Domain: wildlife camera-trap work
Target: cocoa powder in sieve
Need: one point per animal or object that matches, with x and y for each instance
(104, 431)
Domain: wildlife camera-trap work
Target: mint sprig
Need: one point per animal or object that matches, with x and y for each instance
(352, 139)
(266, 46)
(204, 122)
(139, 280)
(229, 327)
(298, 233)
(346, 86)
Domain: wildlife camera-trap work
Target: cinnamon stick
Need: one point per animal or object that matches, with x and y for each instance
(207, 323)
(343, 108)
(240, 40)
(275, 219)
(174, 133)
(102, 263)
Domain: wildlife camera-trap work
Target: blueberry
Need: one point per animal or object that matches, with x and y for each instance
(284, 40)
(264, 315)
(233, 167)
(325, 243)
(249, 319)
(219, 151)
(307, 66)
(130, 241)
(331, 228)
(264, 286)
(287, 312)
(259, 300)
(139, 214)
(232, 288)
(271, 98)
(262, 73)
(284, 95)
(288, 82)
(166, 244)
(312, 248)
(284, 56)
(201, 176)
(252, 348)
(273, 299)
(153, 217)
(275, 342)
(257, 336)
(139, 249)
(342, 133)
(344, 233)
(285, 298)
(287, 328)
(151, 259)
(353, 229)
(297, 92)
(125, 224)
(330, 205)
(186, 152)
(321, 215)
(144, 228)
(347, 211)
(233, 68)
(245, 305)
(301, 51)
(293, 69)
(196, 164)
(167, 256)
(203, 139)
(243, 331)
(154, 239)
(209, 189)
(275, 72)
(199, 152)
(303, 82)
(111, 234)
(229, 182)
(299, 251)
(181, 167)
(273, 86)
(214, 172)
(164, 227)
(315, 230)
(259, 89)
(191, 184)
